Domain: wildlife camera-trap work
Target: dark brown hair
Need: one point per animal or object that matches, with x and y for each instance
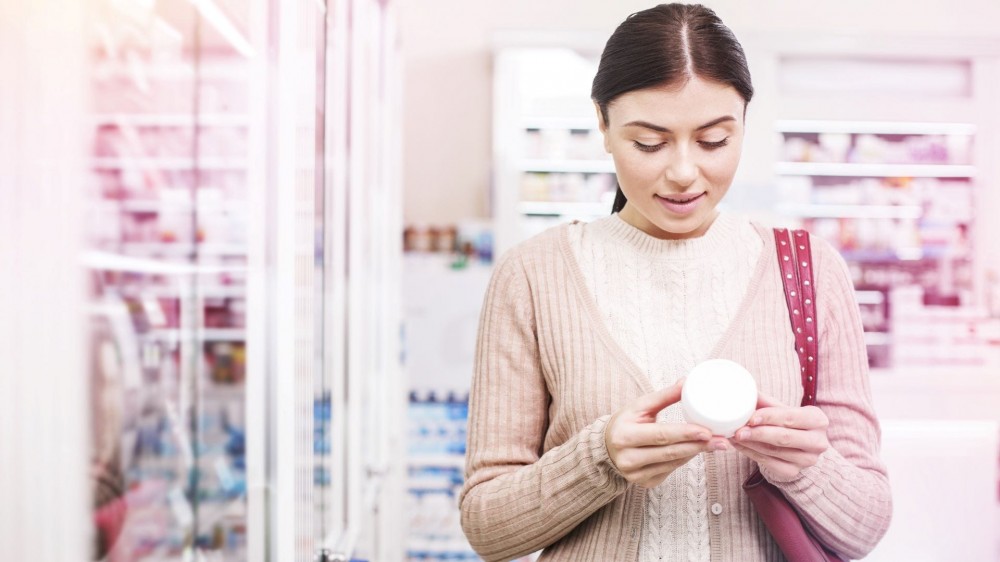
(667, 45)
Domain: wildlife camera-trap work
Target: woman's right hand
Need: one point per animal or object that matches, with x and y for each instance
(646, 452)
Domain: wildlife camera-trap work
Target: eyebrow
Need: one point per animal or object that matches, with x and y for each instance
(658, 128)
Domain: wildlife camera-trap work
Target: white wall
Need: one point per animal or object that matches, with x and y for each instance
(44, 437)
(447, 58)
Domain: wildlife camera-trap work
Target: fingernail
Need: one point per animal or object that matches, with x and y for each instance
(755, 420)
(743, 434)
(704, 436)
(720, 446)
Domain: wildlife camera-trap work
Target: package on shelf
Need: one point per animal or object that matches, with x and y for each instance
(872, 148)
(437, 423)
(566, 186)
(948, 200)
(924, 335)
(818, 147)
(911, 149)
(437, 438)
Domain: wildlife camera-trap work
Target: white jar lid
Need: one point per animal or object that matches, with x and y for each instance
(720, 395)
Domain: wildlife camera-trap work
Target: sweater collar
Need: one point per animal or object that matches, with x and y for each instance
(718, 239)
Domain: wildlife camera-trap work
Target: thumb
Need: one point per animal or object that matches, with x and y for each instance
(651, 404)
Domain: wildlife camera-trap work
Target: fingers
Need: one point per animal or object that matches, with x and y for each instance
(783, 438)
(795, 457)
(783, 469)
(654, 475)
(637, 459)
(808, 417)
(648, 405)
(654, 434)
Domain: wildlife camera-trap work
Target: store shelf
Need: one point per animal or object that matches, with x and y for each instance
(163, 206)
(448, 461)
(889, 256)
(869, 297)
(560, 123)
(873, 127)
(182, 249)
(851, 211)
(167, 163)
(204, 291)
(566, 208)
(227, 69)
(875, 170)
(568, 166)
(172, 119)
(207, 334)
(109, 261)
(877, 338)
(224, 392)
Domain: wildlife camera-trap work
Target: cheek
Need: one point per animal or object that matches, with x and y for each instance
(637, 167)
(722, 168)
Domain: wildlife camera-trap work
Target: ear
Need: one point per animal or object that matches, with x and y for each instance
(603, 127)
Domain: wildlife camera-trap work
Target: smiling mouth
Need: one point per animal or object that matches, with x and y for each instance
(682, 199)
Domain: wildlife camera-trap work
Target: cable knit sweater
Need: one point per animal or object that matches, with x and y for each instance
(667, 302)
(552, 366)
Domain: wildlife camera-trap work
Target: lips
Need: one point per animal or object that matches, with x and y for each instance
(682, 199)
(681, 204)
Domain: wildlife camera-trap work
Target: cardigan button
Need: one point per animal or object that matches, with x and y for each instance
(716, 508)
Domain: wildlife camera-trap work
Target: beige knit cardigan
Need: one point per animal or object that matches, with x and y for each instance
(549, 375)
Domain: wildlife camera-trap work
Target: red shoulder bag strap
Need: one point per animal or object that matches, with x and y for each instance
(795, 260)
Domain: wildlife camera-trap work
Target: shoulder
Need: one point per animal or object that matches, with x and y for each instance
(526, 264)
(540, 248)
(829, 266)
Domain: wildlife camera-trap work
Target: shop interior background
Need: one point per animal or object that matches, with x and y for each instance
(243, 246)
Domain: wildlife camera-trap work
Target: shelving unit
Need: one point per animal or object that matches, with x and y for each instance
(839, 169)
(896, 199)
(550, 163)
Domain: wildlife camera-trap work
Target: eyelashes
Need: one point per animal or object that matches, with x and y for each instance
(647, 147)
(708, 145)
(714, 145)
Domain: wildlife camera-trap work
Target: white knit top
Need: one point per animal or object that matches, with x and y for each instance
(667, 303)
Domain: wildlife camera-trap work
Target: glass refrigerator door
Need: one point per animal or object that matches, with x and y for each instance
(167, 260)
(244, 257)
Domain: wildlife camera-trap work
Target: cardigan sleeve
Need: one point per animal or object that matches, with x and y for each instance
(517, 500)
(845, 498)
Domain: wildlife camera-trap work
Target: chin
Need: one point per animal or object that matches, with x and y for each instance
(684, 228)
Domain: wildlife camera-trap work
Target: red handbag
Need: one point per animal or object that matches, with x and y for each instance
(794, 539)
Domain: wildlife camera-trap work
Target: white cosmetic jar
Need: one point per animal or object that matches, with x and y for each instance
(720, 395)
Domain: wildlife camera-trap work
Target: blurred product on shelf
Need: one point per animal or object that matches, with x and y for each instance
(567, 187)
(887, 148)
(436, 441)
(467, 241)
(930, 335)
(560, 143)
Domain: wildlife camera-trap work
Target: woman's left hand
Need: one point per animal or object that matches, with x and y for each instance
(783, 439)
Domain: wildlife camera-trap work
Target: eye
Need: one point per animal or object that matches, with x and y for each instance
(647, 147)
(713, 145)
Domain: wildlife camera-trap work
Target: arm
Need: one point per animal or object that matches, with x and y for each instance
(516, 500)
(844, 497)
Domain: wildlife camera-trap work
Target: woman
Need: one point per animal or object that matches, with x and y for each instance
(576, 443)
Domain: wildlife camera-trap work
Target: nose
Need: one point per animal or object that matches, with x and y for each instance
(682, 169)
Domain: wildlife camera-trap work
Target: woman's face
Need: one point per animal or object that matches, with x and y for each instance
(676, 150)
